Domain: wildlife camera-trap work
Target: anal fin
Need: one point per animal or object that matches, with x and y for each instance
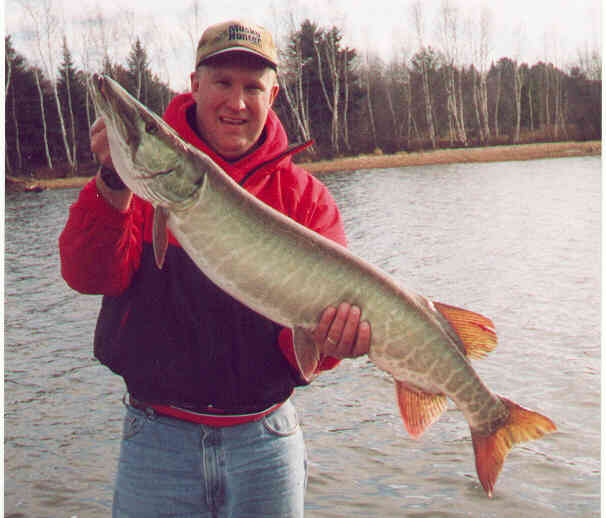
(476, 332)
(418, 409)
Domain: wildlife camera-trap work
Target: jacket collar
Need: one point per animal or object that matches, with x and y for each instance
(271, 151)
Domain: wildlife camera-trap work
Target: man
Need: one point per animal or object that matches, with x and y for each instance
(209, 428)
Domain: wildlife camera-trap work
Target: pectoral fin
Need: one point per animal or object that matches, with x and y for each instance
(160, 235)
(306, 353)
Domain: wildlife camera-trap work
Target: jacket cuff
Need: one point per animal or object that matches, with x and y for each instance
(92, 199)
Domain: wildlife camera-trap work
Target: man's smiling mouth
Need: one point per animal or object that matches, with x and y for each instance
(231, 121)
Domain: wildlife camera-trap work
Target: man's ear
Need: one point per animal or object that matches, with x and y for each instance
(195, 81)
(274, 93)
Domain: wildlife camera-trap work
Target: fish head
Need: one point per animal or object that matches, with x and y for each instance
(150, 157)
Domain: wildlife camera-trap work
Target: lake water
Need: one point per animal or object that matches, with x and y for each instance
(518, 242)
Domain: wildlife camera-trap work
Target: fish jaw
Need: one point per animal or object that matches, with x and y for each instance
(147, 153)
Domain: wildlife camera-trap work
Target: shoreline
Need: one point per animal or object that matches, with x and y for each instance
(403, 159)
(506, 153)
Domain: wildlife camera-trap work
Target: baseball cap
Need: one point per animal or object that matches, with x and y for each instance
(237, 36)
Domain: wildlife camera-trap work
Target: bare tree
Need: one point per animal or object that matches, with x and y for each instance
(480, 32)
(45, 26)
(332, 56)
(7, 84)
(497, 101)
(590, 61)
(291, 82)
(417, 16)
(346, 102)
(49, 161)
(193, 25)
(448, 27)
(371, 116)
(553, 56)
(86, 58)
(519, 76)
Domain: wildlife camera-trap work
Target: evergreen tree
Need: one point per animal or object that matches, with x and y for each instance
(316, 60)
(23, 117)
(138, 75)
(142, 83)
(72, 96)
(424, 77)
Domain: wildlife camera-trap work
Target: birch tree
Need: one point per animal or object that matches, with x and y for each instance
(49, 160)
(292, 83)
(346, 88)
(448, 28)
(553, 57)
(519, 77)
(497, 101)
(45, 26)
(331, 86)
(418, 22)
(67, 78)
(9, 56)
(480, 30)
(371, 117)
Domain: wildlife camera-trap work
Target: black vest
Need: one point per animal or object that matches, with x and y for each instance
(177, 338)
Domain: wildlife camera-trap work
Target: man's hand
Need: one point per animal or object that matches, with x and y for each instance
(340, 333)
(99, 144)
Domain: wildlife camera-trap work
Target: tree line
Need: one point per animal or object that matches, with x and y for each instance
(349, 103)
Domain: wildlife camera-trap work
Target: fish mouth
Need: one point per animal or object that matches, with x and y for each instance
(153, 174)
(112, 102)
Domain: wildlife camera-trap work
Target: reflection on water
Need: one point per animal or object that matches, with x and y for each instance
(517, 241)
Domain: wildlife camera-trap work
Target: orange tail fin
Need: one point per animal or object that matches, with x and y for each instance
(418, 409)
(492, 448)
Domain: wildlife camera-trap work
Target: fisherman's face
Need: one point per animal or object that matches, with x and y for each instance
(233, 96)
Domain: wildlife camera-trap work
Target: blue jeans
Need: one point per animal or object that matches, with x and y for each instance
(170, 467)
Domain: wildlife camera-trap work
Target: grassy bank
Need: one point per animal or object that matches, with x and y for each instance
(459, 155)
(441, 156)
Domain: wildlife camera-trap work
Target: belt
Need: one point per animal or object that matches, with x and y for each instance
(213, 417)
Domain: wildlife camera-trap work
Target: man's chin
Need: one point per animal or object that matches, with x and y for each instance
(233, 152)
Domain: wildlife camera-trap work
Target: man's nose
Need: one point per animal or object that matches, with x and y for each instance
(235, 100)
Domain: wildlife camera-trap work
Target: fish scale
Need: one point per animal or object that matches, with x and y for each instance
(290, 274)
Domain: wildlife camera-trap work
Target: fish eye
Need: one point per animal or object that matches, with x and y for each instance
(151, 128)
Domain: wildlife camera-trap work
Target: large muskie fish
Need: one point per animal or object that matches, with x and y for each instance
(290, 274)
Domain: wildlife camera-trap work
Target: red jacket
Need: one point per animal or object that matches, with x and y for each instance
(104, 251)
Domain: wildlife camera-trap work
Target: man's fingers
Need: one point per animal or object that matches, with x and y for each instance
(335, 334)
(340, 333)
(321, 331)
(350, 328)
(97, 126)
(362, 344)
(99, 144)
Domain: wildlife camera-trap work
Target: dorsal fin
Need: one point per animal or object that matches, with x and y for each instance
(476, 332)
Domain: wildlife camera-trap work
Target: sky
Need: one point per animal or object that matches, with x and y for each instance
(530, 30)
